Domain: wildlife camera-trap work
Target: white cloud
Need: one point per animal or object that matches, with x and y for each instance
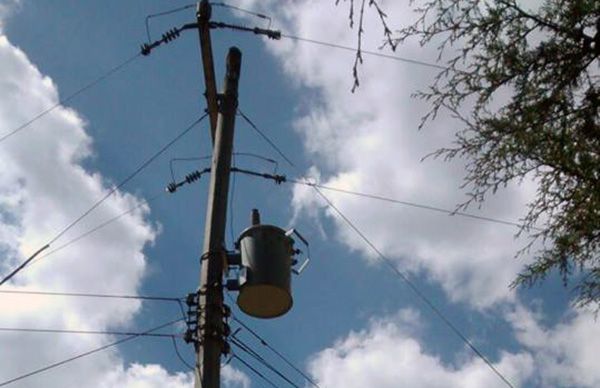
(146, 376)
(369, 142)
(566, 354)
(43, 187)
(7, 7)
(234, 378)
(389, 352)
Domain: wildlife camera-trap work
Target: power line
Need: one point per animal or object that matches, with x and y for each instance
(81, 355)
(91, 295)
(69, 97)
(407, 203)
(247, 365)
(258, 15)
(172, 11)
(373, 53)
(266, 138)
(282, 178)
(108, 194)
(93, 332)
(252, 353)
(109, 296)
(411, 285)
(279, 354)
(183, 361)
(99, 226)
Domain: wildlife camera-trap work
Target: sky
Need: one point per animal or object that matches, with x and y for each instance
(354, 322)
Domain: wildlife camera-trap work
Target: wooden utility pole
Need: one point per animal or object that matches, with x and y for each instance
(210, 334)
(203, 14)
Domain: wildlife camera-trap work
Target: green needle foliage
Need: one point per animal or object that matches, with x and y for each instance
(523, 78)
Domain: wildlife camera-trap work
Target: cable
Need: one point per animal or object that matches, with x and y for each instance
(258, 15)
(98, 227)
(184, 160)
(183, 361)
(163, 14)
(256, 156)
(411, 285)
(89, 295)
(131, 176)
(22, 265)
(266, 138)
(373, 53)
(407, 203)
(247, 365)
(95, 332)
(70, 97)
(81, 355)
(282, 178)
(252, 353)
(113, 296)
(414, 288)
(110, 192)
(281, 356)
(265, 343)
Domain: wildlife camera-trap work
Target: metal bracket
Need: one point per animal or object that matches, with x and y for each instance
(298, 271)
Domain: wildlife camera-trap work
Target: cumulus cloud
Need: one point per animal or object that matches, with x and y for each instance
(368, 141)
(389, 352)
(234, 378)
(565, 355)
(7, 7)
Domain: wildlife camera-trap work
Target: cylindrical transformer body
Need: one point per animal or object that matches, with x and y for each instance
(266, 254)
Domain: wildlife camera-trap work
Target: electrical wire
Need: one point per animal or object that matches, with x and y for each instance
(258, 15)
(373, 53)
(252, 353)
(247, 365)
(266, 138)
(271, 348)
(184, 160)
(179, 301)
(278, 354)
(283, 179)
(94, 332)
(70, 97)
(407, 203)
(91, 295)
(183, 361)
(108, 194)
(183, 8)
(412, 286)
(89, 352)
(256, 156)
(98, 227)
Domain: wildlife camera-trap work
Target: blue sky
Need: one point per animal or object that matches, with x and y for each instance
(354, 321)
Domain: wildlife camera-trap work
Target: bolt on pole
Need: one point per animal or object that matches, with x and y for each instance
(211, 342)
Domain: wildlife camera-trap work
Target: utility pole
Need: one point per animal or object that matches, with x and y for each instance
(203, 14)
(210, 334)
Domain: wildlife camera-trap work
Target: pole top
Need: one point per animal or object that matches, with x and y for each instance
(234, 62)
(255, 217)
(203, 10)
